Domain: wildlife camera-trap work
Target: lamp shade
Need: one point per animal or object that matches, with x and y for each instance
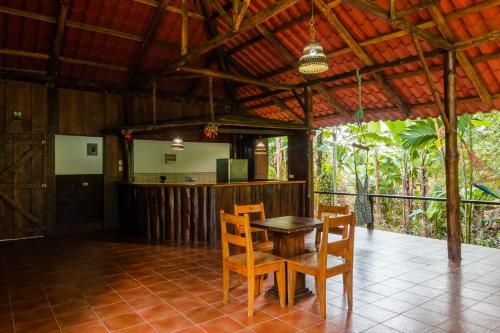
(260, 148)
(313, 60)
(177, 144)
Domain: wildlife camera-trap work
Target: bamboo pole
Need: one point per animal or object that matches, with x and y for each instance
(310, 152)
(451, 160)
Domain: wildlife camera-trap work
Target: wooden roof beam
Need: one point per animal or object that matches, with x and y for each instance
(152, 29)
(228, 76)
(379, 12)
(412, 9)
(450, 17)
(222, 38)
(359, 52)
(56, 50)
(172, 9)
(476, 41)
(464, 62)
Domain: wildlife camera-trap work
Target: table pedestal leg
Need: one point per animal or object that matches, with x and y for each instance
(288, 246)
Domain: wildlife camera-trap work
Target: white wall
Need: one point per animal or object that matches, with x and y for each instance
(71, 155)
(149, 156)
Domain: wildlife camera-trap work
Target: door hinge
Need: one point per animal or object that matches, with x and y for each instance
(44, 142)
(43, 185)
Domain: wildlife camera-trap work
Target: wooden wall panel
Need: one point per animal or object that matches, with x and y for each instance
(3, 106)
(38, 109)
(71, 117)
(94, 111)
(114, 111)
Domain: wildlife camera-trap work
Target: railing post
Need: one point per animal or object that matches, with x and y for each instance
(371, 226)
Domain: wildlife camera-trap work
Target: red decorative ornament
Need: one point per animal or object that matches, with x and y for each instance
(311, 135)
(127, 135)
(211, 131)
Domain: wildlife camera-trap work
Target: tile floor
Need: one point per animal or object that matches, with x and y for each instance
(116, 284)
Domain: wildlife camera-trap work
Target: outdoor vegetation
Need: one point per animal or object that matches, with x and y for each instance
(407, 158)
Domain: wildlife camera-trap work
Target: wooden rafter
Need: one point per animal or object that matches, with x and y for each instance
(431, 82)
(239, 78)
(239, 9)
(415, 8)
(222, 38)
(172, 9)
(211, 30)
(56, 50)
(293, 60)
(372, 41)
(464, 62)
(379, 12)
(44, 56)
(359, 52)
(184, 28)
(476, 41)
(152, 29)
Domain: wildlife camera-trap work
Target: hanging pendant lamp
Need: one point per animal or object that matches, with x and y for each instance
(313, 60)
(177, 144)
(260, 148)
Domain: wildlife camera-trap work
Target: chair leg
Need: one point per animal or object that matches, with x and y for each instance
(259, 284)
(282, 283)
(292, 278)
(251, 294)
(348, 286)
(344, 284)
(225, 283)
(321, 296)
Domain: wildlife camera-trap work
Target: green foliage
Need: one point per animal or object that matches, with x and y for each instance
(412, 149)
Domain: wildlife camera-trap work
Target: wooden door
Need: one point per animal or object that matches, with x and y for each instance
(22, 185)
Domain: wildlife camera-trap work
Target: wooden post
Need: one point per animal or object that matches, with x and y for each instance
(52, 129)
(309, 149)
(451, 159)
(184, 31)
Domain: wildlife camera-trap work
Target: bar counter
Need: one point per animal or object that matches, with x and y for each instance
(188, 212)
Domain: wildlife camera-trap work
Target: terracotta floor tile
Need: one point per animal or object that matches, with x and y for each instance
(71, 307)
(203, 314)
(191, 329)
(300, 319)
(76, 318)
(325, 327)
(24, 317)
(104, 299)
(145, 302)
(189, 303)
(95, 327)
(123, 321)
(130, 294)
(259, 316)
(157, 311)
(222, 325)
(230, 307)
(171, 323)
(43, 326)
(141, 328)
(273, 325)
(112, 310)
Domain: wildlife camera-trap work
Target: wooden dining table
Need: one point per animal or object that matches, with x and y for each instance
(289, 241)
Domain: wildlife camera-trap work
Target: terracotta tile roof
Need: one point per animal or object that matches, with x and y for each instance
(89, 53)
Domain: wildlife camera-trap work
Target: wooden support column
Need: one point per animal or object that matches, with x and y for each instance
(309, 149)
(184, 31)
(451, 159)
(52, 129)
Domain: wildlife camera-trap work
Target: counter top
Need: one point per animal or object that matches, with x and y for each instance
(194, 184)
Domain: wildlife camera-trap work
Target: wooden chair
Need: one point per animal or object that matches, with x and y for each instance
(327, 262)
(322, 211)
(250, 263)
(263, 244)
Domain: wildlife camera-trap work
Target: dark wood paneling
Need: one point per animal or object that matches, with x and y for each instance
(94, 110)
(77, 206)
(190, 213)
(71, 115)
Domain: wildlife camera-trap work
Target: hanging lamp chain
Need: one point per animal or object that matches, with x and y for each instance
(311, 23)
(211, 97)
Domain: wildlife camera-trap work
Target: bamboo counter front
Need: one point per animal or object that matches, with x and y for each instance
(189, 212)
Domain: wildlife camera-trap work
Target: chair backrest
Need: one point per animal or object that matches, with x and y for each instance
(332, 209)
(345, 246)
(249, 209)
(236, 238)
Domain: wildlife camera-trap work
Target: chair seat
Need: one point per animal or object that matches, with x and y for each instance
(311, 260)
(264, 246)
(260, 258)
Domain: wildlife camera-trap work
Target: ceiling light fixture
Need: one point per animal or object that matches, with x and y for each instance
(313, 60)
(177, 144)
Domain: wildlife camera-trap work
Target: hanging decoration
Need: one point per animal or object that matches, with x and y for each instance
(177, 144)
(211, 130)
(313, 60)
(127, 135)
